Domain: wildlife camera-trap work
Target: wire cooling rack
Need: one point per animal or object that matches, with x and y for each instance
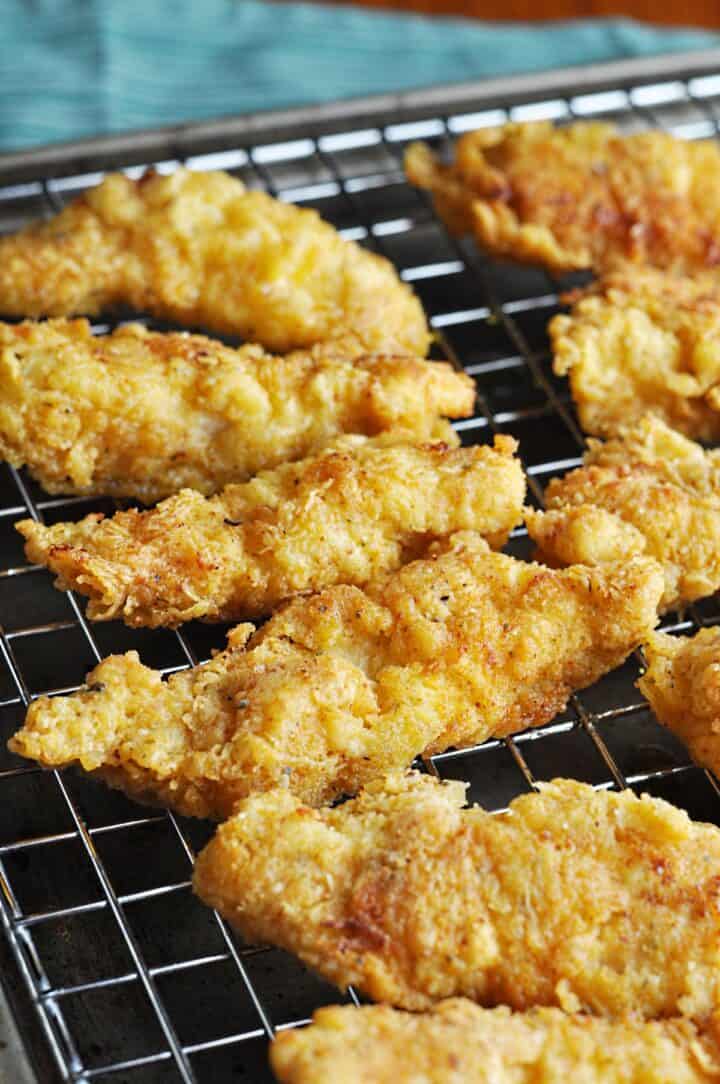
(116, 972)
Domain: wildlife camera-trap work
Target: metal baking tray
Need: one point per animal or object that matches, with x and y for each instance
(114, 971)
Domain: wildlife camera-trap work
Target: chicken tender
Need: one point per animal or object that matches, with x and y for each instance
(199, 249)
(579, 196)
(682, 684)
(649, 491)
(643, 340)
(588, 900)
(346, 515)
(457, 1042)
(339, 687)
(142, 414)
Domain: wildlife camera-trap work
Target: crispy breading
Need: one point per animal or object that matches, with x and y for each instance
(357, 509)
(143, 414)
(200, 250)
(579, 196)
(457, 1042)
(682, 683)
(589, 900)
(339, 687)
(643, 340)
(651, 491)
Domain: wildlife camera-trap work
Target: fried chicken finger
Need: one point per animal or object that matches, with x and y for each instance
(587, 900)
(457, 1042)
(199, 249)
(358, 509)
(682, 684)
(581, 195)
(642, 340)
(143, 414)
(649, 491)
(343, 685)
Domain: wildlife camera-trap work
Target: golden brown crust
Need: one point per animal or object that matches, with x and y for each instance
(341, 686)
(354, 511)
(648, 491)
(579, 196)
(591, 901)
(199, 249)
(643, 340)
(143, 414)
(682, 683)
(457, 1042)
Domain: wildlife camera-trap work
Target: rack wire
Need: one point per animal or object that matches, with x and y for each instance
(119, 973)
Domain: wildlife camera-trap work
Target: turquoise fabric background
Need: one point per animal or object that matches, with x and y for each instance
(79, 67)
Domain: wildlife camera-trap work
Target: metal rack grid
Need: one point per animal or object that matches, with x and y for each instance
(120, 974)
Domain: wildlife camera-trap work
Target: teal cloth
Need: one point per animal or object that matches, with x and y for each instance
(73, 68)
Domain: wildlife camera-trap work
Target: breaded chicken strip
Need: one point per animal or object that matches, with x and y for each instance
(142, 414)
(588, 900)
(457, 1042)
(339, 687)
(579, 196)
(347, 515)
(649, 491)
(199, 249)
(682, 683)
(643, 340)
